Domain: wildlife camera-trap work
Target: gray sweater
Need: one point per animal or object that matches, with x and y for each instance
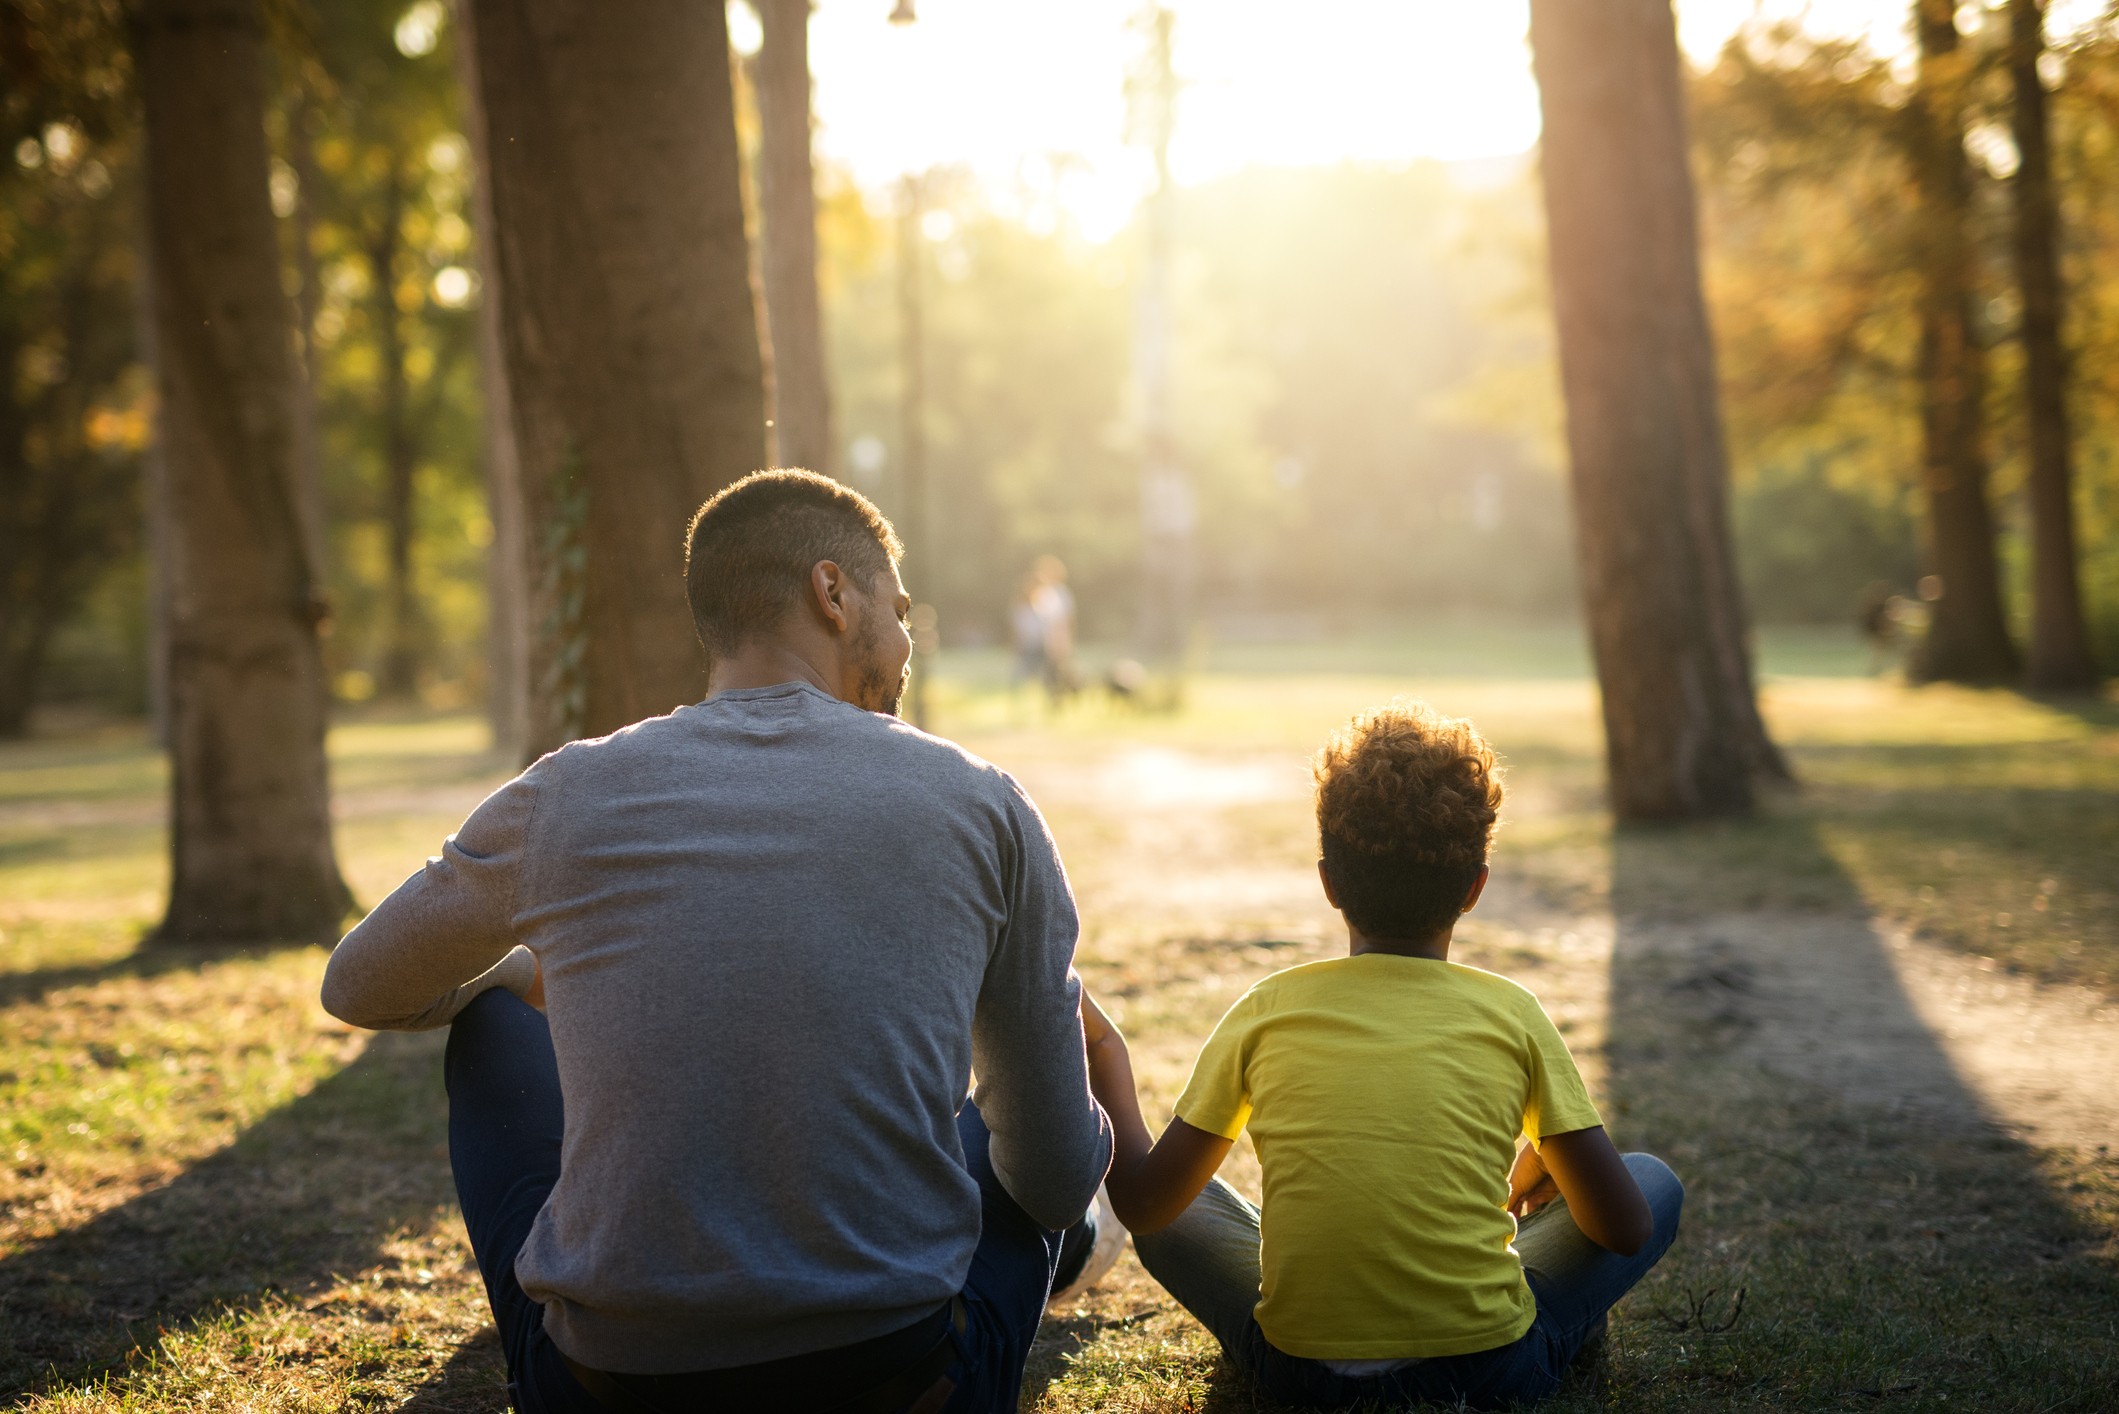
(778, 934)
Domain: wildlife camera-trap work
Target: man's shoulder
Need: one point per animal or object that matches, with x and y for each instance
(942, 762)
(872, 743)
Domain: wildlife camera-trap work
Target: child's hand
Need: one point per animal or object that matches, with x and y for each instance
(1530, 1187)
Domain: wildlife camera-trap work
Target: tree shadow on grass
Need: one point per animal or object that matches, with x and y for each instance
(2098, 709)
(149, 959)
(1892, 1234)
(313, 1189)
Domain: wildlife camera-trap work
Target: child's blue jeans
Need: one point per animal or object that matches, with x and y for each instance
(1208, 1260)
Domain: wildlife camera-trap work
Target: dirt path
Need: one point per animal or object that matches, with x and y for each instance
(1836, 1000)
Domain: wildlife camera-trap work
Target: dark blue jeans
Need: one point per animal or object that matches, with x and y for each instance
(1208, 1260)
(505, 1122)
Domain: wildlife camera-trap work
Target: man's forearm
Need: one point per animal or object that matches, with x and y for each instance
(404, 966)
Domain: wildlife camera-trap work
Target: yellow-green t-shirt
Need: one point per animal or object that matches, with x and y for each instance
(1384, 1095)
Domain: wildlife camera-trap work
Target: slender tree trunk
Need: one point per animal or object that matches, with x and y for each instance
(2060, 658)
(309, 422)
(507, 587)
(631, 332)
(787, 201)
(251, 827)
(156, 513)
(21, 647)
(400, 676)
(1968, 637)
(1682, 733)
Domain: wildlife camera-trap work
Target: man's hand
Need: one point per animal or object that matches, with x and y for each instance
(1530, 1187)
(1095, 1025)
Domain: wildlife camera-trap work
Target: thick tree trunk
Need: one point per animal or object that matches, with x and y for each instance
(1682, 732)
(507, 586)
(251, 828)
(631, 332)
(400, 677)
(2060, 658)
(787, 202)
(1968, 637)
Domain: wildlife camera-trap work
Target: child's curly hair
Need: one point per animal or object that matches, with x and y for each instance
(1406, 804)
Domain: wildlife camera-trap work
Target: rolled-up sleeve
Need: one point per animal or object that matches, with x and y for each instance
(1051, 1140)
(446, 925)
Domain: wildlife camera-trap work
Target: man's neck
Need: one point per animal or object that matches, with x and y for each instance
(769, 664)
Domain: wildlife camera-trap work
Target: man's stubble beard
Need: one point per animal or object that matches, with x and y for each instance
(875, 682)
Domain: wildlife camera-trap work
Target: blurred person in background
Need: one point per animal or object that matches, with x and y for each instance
(1053, 604)
(1027, 630)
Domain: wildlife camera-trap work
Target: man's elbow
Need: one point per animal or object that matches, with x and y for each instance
(343, 1000)
(334, 997)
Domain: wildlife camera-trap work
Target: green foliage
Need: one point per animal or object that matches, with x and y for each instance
(1810, 248)
(372, 177)
(1810, 546)
(74, 404)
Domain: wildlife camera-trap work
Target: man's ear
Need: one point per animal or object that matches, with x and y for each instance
(827, 586)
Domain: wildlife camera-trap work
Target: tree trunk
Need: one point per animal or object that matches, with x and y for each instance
(787, 204)
(507, 587)
(251, 827)
(631, 333)
(309, 422)
(2060, 658)
(1968, 637)
(1682, 733)
(400, 676)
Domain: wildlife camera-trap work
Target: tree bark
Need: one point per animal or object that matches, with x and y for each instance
(1682, 733)
(2060, 659)
(251, 826)
(1968, 637)
(507, 584)
(630, 331)
(400, 676)
(787, 203)
(309, 422)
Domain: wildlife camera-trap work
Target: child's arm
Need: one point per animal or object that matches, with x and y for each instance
(1151, 1181)
(1601, 1195)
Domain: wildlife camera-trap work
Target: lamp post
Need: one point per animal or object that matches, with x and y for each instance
(912, 462)
(1167, 511)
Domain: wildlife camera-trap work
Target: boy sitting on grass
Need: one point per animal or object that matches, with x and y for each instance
(1400, 1257)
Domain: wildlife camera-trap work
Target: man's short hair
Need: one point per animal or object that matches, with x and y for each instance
(750, 550)
(1406, 804)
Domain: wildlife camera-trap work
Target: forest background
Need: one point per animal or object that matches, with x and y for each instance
(1367, 397)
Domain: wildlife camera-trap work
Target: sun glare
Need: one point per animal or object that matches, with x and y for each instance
(1029, 96)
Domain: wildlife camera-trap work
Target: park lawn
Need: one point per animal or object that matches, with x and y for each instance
(214, 1196)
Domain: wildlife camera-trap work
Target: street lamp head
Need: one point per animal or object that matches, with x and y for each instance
(902, 13)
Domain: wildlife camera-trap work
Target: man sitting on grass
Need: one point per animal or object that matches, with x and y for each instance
(737, 1169)
(1399, 1257)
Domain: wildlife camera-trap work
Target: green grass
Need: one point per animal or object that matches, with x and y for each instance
(212, 1196)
